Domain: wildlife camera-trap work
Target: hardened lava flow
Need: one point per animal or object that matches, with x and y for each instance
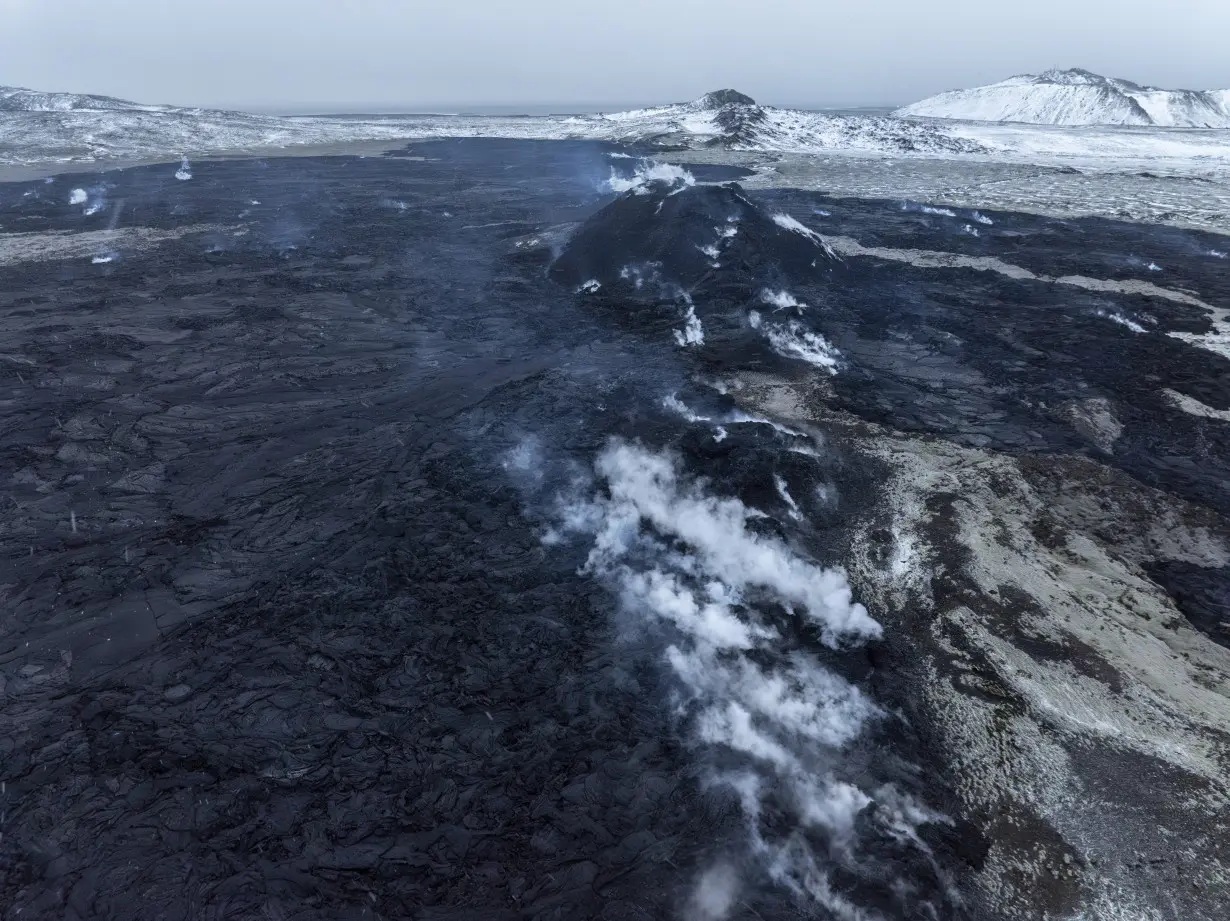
(533, 529)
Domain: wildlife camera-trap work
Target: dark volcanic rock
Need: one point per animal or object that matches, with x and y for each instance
(1201, 593)
(686, 235)
(719, 98)
(289, 629)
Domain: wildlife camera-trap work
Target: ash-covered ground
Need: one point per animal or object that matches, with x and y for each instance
(522, 529)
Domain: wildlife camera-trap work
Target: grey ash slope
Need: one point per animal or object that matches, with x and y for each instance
(1078, 97)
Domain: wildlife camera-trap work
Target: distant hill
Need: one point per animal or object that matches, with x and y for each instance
(1078, 97)
(19, 99)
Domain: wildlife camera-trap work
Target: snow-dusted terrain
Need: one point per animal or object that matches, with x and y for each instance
(1143, 173)
(18, 99)
(57, 128)
(1078, 97)
(50, 127)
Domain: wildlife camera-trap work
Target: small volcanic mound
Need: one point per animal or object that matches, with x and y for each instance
(720, 98)
(687, 234)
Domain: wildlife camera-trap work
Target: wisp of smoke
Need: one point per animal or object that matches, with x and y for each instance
(1122, 321)
(714, 895)
(781, 300)
(793, 340)
(786, 222)
(688, 567)
(692, 333)
(927, 209)
(647, 173)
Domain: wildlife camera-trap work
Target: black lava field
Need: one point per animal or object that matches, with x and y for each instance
(382, 542)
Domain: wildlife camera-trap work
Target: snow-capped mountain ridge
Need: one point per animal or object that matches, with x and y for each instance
(1077, 97)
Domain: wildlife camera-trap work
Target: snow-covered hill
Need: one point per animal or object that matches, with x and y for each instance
(56, 127)
(727, 118)
(70, 130)
(19, 99)
(1078, 97)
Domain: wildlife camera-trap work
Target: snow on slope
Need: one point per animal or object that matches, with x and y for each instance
(1078, 97)
(51, 127)
(734, 121)
(72, 130)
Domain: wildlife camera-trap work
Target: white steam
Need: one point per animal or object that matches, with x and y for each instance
(692, 333)
(1123, 321)
(723, 599)
(714, 895)
(793, 340)
(786, 222)
(77, 197)
(646, 174)
(784, 492)
(676, 405)
(184, 173)
(928, 209)
(647, 490)
(781, 300)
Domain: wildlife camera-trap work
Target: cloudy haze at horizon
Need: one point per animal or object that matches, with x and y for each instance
(314, 53)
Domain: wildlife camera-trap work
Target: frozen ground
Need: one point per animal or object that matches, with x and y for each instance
(1080, 170)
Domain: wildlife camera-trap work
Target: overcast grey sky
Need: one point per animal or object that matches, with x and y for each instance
(415, 53)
